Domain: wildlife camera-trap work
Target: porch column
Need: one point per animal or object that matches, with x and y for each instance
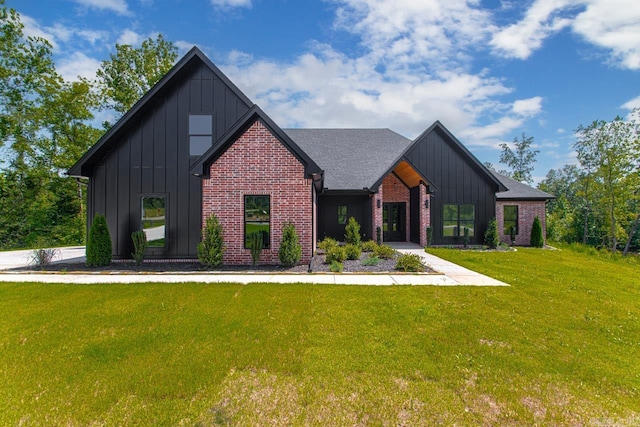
(376, 213)
(425, 214)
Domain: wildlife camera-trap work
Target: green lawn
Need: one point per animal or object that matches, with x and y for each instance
(561, 347)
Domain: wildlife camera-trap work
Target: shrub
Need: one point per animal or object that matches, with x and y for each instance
(429, 235)
(384, 251)
(139, 238)
(369, 246)
(290, 250)
(409, 262)
(466, 237)
(255, 246)
(326, 243)
(352, 251)
(335, 253)
(512, 234)
(211, 248)
(352, 234)
(536, 233)
(335, 267)
(99, 251)
(379, 235)
(491, 237)
(42, 256)
(371, 261)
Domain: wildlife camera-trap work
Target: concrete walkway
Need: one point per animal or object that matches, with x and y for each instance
(449, 274)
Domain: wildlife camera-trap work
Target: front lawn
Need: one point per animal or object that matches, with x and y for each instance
(560, 346)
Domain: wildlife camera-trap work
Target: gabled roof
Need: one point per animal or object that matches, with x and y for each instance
(203, 164)
(519, 191)
(84, 165)
(437, 126)
(353, 159)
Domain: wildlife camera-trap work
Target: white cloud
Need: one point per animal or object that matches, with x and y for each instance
(632, 103)
(33, 29)
(528, 107)
(613, 25)
(228, 4)
(130, 37)
(118, 6)
(78, 65)
(541, 20)
(184, 46)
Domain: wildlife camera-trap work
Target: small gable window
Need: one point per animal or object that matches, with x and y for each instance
(342, 215)
(510, 219)
(200, 133)
(257, 219)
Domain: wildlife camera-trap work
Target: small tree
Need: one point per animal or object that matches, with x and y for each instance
(467, 239)
(255, 245)
(140, 244)
(536, 233)
(491, 237)
(352, 232)
(290, 250)
(99, 250)
(211, 248)
(512, 234)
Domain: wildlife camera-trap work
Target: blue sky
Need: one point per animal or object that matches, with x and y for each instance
(488, 70)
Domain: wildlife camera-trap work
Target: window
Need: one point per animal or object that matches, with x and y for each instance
(200, 134)
(154, 209)
(257, 218)
(342, 215)
(455, 218)
(510, 219)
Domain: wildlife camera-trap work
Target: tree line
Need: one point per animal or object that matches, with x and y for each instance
(47, 124)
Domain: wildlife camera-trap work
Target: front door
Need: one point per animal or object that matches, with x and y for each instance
(394, 222)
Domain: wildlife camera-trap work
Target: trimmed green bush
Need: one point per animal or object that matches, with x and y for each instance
(536, 233)
(352, 234)
(255, 246)
(369, 246)
(429, 235)
(335, 253)
(353, 251)
(139, 238)
(409, 262)
(491, 237)
(211, 248)
(512, 234)
(327, 243)
(371, 261)
(290, 250)
(466, 237)
(384, 251)
(336, 267)
(99, 250)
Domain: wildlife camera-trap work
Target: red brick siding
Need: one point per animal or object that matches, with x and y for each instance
(527, 211)
(425, 214)
(255, 164)
(377, 213)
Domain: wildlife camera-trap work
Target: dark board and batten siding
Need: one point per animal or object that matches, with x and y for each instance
(152, 158)
(459, 181)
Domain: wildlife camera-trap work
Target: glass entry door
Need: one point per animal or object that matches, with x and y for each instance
(394, 220)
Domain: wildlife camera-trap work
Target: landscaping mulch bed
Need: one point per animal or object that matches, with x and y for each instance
(151, 266)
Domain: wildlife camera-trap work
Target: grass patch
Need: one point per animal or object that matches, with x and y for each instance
(560, 346)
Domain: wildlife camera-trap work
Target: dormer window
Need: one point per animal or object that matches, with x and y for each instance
(200, 133)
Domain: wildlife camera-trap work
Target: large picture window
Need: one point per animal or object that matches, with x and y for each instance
(200, 133)
(154, 215)
(257, 218)
(510, 219)
(455, 218)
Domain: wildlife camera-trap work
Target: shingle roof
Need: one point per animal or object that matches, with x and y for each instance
(517, 190)
(353, 159)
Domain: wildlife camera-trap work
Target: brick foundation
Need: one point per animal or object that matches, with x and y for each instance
(258, 164)
(527, 211)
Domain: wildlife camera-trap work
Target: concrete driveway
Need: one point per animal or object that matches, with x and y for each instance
(17, 259)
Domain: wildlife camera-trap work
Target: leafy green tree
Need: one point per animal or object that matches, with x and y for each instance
(99, 249)
(211, 248)
(491, 237)
(132, 71)
(290, 250)
(352, 232)
(537, 241)
(520, 159)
